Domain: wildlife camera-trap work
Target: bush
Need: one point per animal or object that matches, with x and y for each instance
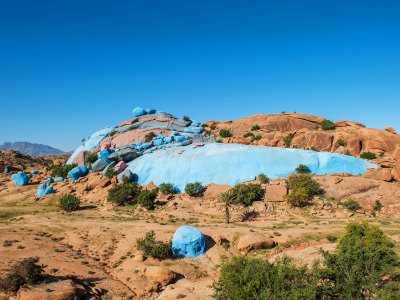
(327, 125)
(341, 143)
(124, 194)
(302, 188)
(167, 188)
(91, 158)
(368, 155)
(377, 206)
(288, 140)
(302, 169)
(255, 127)
(69, 203)
(225, 133)
(26, 271)
(149, 137)
(213, 126)
(248, 134)
(195, 189)
(246, 194)
(61, 171)
(263, 178)
(153, 248)
(257, 137)
(351, 205)
(363, 255)
(110, 173)
(146, 198)
(253, 278)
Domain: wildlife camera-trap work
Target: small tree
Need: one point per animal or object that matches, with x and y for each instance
(61, 171)
(146, 198)
(246, 194)
(327, 125)
(110, 173)
(302, 169)
(225, 133)
(377, 207)
(124, 194)
(263, 178)
(229, 197)
(153, 248)
(91, 158)
(302, 188)
(195, 189)
(69, 203)
(255, 127)
(167, 188)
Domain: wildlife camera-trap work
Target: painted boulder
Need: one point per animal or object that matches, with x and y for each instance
(20, 179)
(43, 190)
(188, 241)
(138, 111)
(77, 172)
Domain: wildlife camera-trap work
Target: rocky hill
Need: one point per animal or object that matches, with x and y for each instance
(31, 148)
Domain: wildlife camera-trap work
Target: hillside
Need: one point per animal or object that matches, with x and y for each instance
(31, 148)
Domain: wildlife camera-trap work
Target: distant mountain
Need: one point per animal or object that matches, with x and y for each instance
(31, 149)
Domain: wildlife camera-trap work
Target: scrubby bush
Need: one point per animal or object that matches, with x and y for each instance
(61, 171)
(213, 126)
(255, 127)
(69, 203)
(377, 206)
(368, 155)
(225, 133)
(257, 137)
(363, 255)
(246, 194)
(153, 248)
(149, 137)
(110, 173)
(253, 278)
(302, 188)
(248, 134)
(146, 198)
(302, 169)
(26, 271)
(327, 125)
(167, 188)
(124, 194)
(263, 178)
(195, 189)
(288, 140)
(91, 158)
(351, 205)
(341, 143)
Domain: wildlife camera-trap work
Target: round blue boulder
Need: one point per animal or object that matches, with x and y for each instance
(188, 241)
(20, 179)
(138, 111)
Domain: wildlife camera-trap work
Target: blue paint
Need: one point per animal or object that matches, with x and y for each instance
(234, 163)
(77, 172)
(188, 241)
(20, 179)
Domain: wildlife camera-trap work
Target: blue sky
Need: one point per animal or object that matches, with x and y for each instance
(68, 68)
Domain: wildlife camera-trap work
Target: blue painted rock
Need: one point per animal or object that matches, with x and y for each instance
(77, 172)
(34, 172)
(188, 241)
(20, 179)
(43, 190)
(48, 181)
(138, 111)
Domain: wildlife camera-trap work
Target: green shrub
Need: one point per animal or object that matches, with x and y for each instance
(263, 178)
(253, 278)
(256, 137)
(167, 188)
(368, 155)
(195, 189)
(26, 271)
(124, 194)
(302, 188)
(288, 140)
(341, 143)
(255, 127)
(153, 248)
(327, 125)
(218, 141)
(110, 173)
(61, 171)
(149, 137)
(363, 255)
(69, 203)
(91, 158)
(332, 238)
(248, 134)
(186, 118)
(146, 198)
(246, 194)
(225, 133)
(213, 126)
(302, 169)
(114, 132)
(351, 205)
(377, 206)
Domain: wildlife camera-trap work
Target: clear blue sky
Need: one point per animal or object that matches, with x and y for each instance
(68, 68)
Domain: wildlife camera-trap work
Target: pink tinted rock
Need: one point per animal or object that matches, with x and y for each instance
(119, 167)
(80, 158)
(128, 122)
(133, 136)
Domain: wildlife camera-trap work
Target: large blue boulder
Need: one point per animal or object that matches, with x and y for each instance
(77, 172)
(188, 241)
(48, 181)
(43, 190)
(150, 111)
(20, 179)
(138, 111)
(192, 129)
(59, 179)
(104, 154)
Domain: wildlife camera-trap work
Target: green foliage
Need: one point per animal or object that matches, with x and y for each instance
(186, 118)
(288, 140)
(253, 278)
(110, 173)
(368, 155)
(146, 198)
(263, 178)
(255, 127)
(218, 141)
(327, 125)
(26, 271)
(114, 132)
(167, 188)
(225, 133)
(342, 143)
(69, 203)
(153, 248)
(364, 254)
(302, 169)
(229, 198)
(149, 137)
(256, 137)
(248, 134)
(61, 171)
(124, 194)
(246, 194)
(351, 205)
(213, 126)
(91, 158)
(302, 188)
(377, 206)
(195, 189)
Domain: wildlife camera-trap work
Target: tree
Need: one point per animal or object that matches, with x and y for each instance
(229, 197)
